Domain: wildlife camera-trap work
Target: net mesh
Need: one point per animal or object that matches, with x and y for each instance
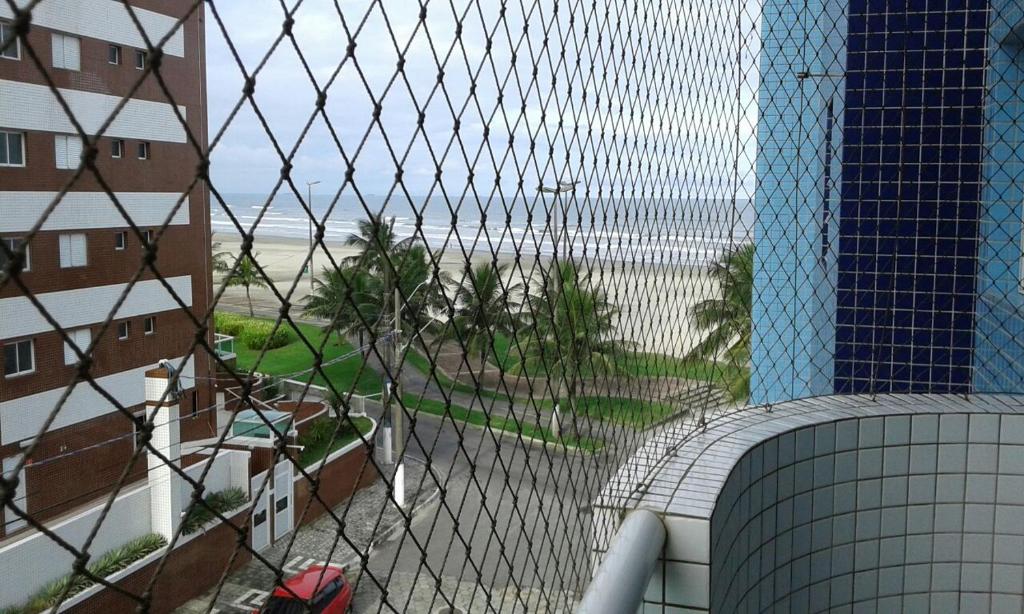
(540, 232)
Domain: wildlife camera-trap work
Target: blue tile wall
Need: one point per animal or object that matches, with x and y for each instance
(799, 130)
(911, 195)
(999, 350)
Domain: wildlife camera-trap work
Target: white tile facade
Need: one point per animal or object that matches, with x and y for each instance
(86, 210)
(103, 19)
(87, 306)
(27, 106)
(22, 418)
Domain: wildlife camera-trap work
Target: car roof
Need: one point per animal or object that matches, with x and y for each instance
(305, 584)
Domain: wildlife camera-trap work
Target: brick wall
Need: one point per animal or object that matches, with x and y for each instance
(190, 571)
(338, 480)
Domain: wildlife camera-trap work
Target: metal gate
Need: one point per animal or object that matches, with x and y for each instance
(283, 499)
(260, 514)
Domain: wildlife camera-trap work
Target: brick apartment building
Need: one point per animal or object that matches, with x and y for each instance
(85, 253)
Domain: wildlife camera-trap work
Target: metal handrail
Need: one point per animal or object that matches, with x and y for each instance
(623, 576)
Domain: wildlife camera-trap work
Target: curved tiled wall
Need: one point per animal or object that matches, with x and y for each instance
(899, 513)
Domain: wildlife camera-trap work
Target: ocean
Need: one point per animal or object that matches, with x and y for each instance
(686, 232)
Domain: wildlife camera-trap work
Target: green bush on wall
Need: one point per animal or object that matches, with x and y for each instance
(221, 501)
(259, 333)
(106, 565)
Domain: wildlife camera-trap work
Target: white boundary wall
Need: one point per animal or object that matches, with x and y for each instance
(29, 563)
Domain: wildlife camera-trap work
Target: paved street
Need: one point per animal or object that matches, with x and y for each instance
(508, 527)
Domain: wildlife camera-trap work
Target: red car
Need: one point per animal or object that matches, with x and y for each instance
(319, 589)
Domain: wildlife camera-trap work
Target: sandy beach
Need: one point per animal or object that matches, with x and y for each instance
(652, 298)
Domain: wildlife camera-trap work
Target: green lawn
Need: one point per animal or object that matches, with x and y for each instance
(296, 356)
(636, 364)
(315, 452)
(352, 373)
(479, 418)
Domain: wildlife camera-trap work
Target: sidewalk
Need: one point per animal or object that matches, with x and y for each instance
(318, 543)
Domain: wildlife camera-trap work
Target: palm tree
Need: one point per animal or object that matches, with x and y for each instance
(376, 243)
(247, 275)
(220, 259)
(728, 318)
(358, 298)
(348, 299)
(573, 323)
(484, 308)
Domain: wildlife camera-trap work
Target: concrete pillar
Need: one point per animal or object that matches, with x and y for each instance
(164, 483)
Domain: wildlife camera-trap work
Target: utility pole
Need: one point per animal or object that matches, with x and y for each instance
(398, 436)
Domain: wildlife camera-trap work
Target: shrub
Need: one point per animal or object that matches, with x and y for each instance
(259, 333)
(109, 563)
(228, 323)
(221, 502)
(320, 431)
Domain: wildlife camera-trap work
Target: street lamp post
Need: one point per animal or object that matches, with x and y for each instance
(560, 187)
(309, 201)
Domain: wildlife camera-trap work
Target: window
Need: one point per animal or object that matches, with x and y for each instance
(73, 251)
(123, 328)
(66, 52)
(12, 149)
(195, 402)
(67, 150)
(149, 325)
(117, 148)
(8, 37)
(140, 59)
(114, 54)
(19, 358)
(81, 337)
(13, 244)
(149, 236)
(120, 240)
(144, 151)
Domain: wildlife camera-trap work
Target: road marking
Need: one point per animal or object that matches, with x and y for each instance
(250, 600)
(299, 564)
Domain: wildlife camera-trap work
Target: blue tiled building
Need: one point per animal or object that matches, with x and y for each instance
(889, 199)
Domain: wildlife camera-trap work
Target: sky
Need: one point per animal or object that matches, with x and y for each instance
(626, 106)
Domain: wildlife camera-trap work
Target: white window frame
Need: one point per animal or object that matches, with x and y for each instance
(149, 325)
(117, 148)
(13, 243)
(118, 54)
(120, 241)
(67, 51)
(143, 150)
(21, 136)
(140, 58)
(81, 337)
(32, 356)
(67, 151)
(17, 43)
(71, 245)
(148, 234)
(127, 324)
